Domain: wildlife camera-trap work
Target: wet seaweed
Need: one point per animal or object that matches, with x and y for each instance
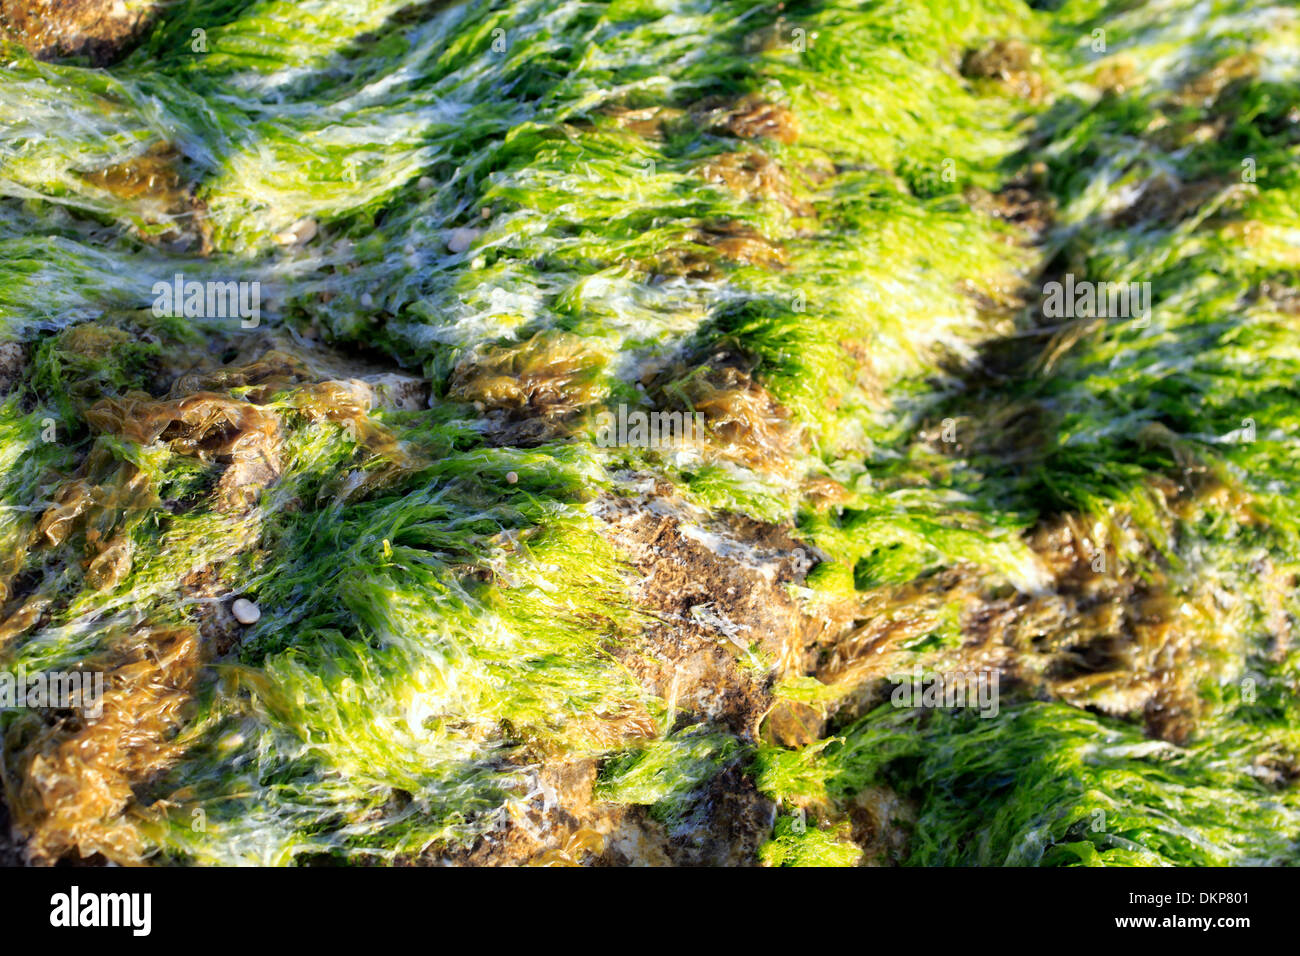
(829, 230)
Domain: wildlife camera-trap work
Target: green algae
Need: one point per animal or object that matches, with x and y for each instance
(441, 183)
(1046, 785)
(666, 774)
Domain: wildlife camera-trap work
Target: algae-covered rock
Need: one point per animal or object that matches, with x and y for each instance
(706, 433)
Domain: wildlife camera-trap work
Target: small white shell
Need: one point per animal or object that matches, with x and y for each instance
(245, 611)
(300, 233)
(511, 478)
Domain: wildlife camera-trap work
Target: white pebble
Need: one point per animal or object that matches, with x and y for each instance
(425, 183)
(511, 478)
(367, 299)
(461, 239)
(245, 611)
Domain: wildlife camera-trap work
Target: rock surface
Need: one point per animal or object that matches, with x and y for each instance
(99, 30)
